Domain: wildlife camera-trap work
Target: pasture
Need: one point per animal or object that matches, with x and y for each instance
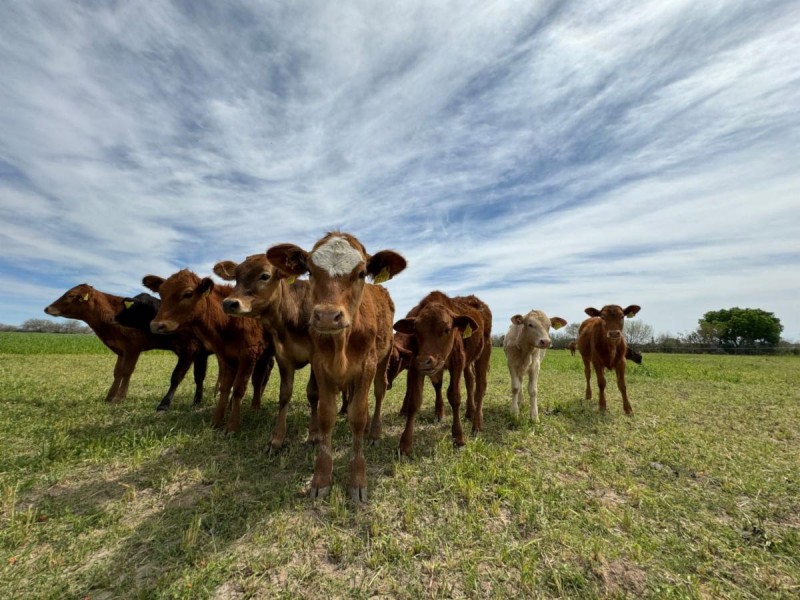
(696, 495)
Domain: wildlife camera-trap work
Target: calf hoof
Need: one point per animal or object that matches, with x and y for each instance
(162, 406)
(358, 494)
(320, 493)
(312, 440)
(459, 443)
(403, 452)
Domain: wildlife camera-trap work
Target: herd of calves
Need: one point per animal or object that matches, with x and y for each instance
(343, 327)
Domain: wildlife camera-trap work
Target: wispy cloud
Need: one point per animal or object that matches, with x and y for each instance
(539, 154)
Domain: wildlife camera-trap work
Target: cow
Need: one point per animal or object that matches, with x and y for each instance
(602, 345)
(351, 333)
(453, 334)
(525, 344)
(283, 304)
(98, 310)
(137, 312)
(572, 347)
(241, 345)
(399, 361)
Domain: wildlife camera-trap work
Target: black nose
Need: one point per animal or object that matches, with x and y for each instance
(230, 305)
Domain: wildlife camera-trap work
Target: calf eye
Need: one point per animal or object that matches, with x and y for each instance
(264, 277)
(530, 324)
(362, 275)
(187, 294)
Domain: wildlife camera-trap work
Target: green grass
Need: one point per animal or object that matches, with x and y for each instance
(696, 495)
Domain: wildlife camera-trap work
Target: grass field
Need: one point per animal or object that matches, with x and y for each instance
(696, 495)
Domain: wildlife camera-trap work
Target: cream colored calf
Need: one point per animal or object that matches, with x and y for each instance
(525, 344)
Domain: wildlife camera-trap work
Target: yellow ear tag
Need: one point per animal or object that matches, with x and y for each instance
(557, 325)
(290, 280)
(382, 276)
(128, 303)
(85, 297)
(630, 315)
(207, 292)
(467, 332)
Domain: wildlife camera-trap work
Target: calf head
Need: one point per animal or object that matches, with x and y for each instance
(613, 317)
(400, 357)
(436, 330)
(535, 330)
(338, 265)
(257, 284)
(183, 299)
(138, 311)
(75, 303)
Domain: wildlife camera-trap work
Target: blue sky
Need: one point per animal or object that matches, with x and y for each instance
(540, 154)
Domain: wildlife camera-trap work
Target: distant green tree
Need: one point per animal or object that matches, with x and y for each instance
(740, 327)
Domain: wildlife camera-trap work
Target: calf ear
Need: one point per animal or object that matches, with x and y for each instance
(405, 325)
(205, 287)
(631, 311)
(592, 312)
(466, 324)
(557, 322)
(290, 259)
(226, 270)
(384, 265)
(152, 282)
(517, 319)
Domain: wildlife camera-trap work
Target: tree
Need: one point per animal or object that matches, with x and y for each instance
(741, 327)
(638, 333)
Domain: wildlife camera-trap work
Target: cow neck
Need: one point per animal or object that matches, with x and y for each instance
(283, 311)
(331, 354)
(101, 320)
(212, 321)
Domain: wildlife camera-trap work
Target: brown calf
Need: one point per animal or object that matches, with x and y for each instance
(572, 347)
(241, 345)
(452, 333)
(98, 310)
(603, 346)
(283, 304)
(351, 332)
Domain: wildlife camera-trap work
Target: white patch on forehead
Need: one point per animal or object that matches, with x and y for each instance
(337, 257)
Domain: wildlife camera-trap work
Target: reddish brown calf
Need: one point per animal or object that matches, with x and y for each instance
(98, 310)
(351, 332)
(603, 346)
(284, 305)
(451, 333)
(241, 345)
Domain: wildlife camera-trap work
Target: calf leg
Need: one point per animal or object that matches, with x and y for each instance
(481, 381)
(469, 379)
(200, 368)
(587, 372)
(112, 391)
(533, 387)
(414, 382)
(123, 371)
(285, 396)
(357, 416)
(436, 381)
(323, 466)
(243, 374)
(623, 389)
(224, 382)
(260, 376)
(454, 397)
(379, 387)
(599, 370)
(178, 373)
(516, 390)
(312, 392)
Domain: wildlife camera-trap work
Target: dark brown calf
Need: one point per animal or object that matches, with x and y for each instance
(572, 347)
(351, 332)
(241, 345)
(283, 304)
(451, 333)
(603, 346)
(98, 310)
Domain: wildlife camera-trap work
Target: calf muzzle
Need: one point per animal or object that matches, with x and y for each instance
(328, 319)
